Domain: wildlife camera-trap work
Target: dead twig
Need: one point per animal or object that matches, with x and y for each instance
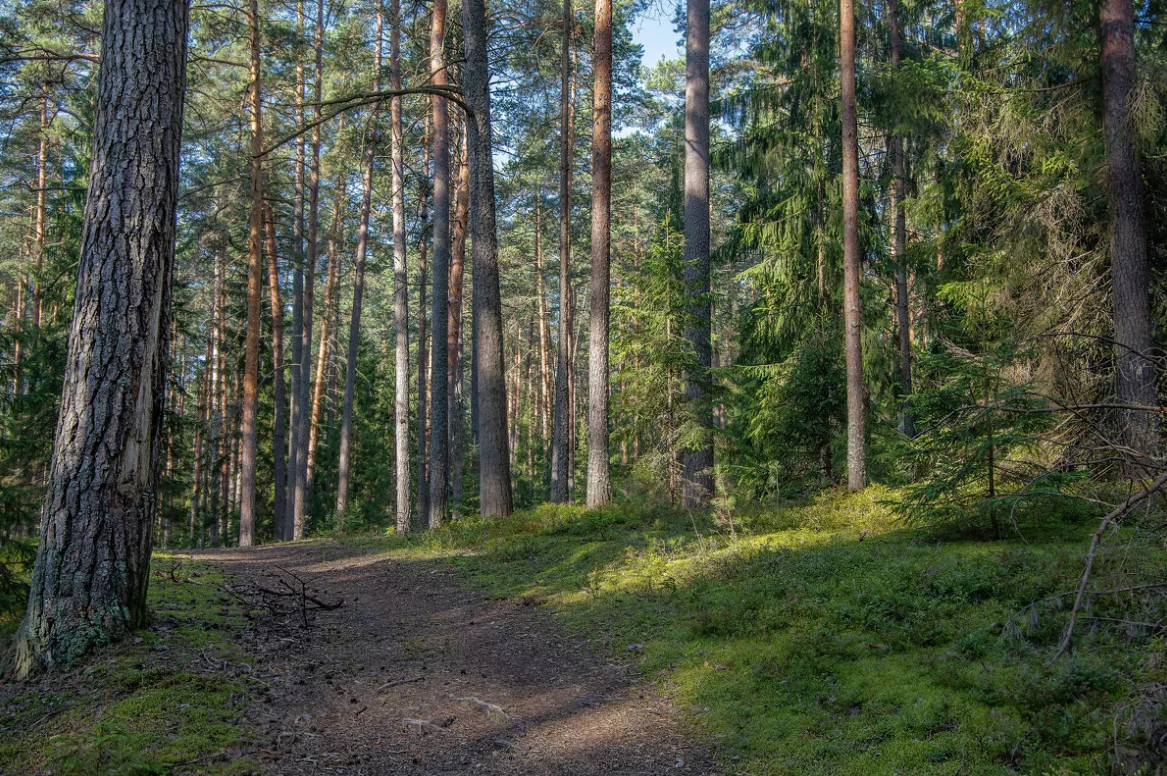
(1095, 541)
(491, 710)
(399, 682)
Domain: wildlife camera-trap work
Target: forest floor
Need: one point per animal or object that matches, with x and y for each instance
(822, 638)
(415, 673)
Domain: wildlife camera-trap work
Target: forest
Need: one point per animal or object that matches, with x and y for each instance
(583, 386)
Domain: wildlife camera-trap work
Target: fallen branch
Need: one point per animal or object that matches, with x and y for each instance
(399, 682)
(1095, 541)
(422, 726)
(493, 711)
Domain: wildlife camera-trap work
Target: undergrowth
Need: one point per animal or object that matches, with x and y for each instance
(161, 703)
(830, 639)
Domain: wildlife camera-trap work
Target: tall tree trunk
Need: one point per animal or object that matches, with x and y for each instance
(41, 210)
(301, 495)
(285, 529)
(599, 473)
(494, 465)
(400, 279)
(423, 480)
(903, 309)
(852, 309)
(254, 290)
(560, 433)
(354, 329)
(573, 405)
(1135, 378)
(697, 484)
(93, 561)
(218, 493)
(18, 318)
(280, 421)
(327, 348)
(456, 361)
(198, 491)
(439, 377)
(544, 327)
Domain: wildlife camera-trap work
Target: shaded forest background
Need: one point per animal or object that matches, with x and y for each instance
(988, 338)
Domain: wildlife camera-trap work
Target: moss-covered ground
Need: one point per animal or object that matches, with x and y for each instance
(167, 702)
(829, 639)
(821, 639)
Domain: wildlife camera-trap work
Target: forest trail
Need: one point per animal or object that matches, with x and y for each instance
(409, 641)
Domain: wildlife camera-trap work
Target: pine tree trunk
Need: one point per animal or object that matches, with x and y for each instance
(285, 529)
(560, 465)
(279, 390)
(254, 290)
(852, 310)
(400, 279)
(439, 473)
(423, 481)
(599, 491)
(327, 348)
(899, 238)
(218, 493)
(354, 330)
(93, 562)
(456, 362)
(494, 465)
(198, 490)
(1135, 378)
(544, 328)
(302, 423)
(40, 224)
(697, 476)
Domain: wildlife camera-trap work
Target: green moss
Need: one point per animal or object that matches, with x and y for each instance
(825, 638)
(148, 705)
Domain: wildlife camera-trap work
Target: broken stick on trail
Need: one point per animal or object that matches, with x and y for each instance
(418, 674)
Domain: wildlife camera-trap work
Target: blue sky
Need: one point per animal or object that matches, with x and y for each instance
(654, 31)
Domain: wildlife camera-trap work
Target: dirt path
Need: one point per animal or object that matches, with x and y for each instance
(373, 687)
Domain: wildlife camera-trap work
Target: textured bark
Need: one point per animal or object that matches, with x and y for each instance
(439, 473)
(560, 466)
(544, 327)
(400, 279)
(852, 310)
(454, 337)
(198, 494)
(218, 492)
(423, 487)
(903, 310)
(327, 348)
(1135, 378)
(92, 569)
(572, 404)
(279, 389)
(494, 465)
(354, 329)
(254, 290)
(302, 423)
(599, 472)
(286, 530)
(41, 211)
(697, 475)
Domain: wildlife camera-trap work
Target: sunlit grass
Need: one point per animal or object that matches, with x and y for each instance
(828, 638)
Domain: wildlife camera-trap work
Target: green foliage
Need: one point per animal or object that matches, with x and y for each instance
(986, 455)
